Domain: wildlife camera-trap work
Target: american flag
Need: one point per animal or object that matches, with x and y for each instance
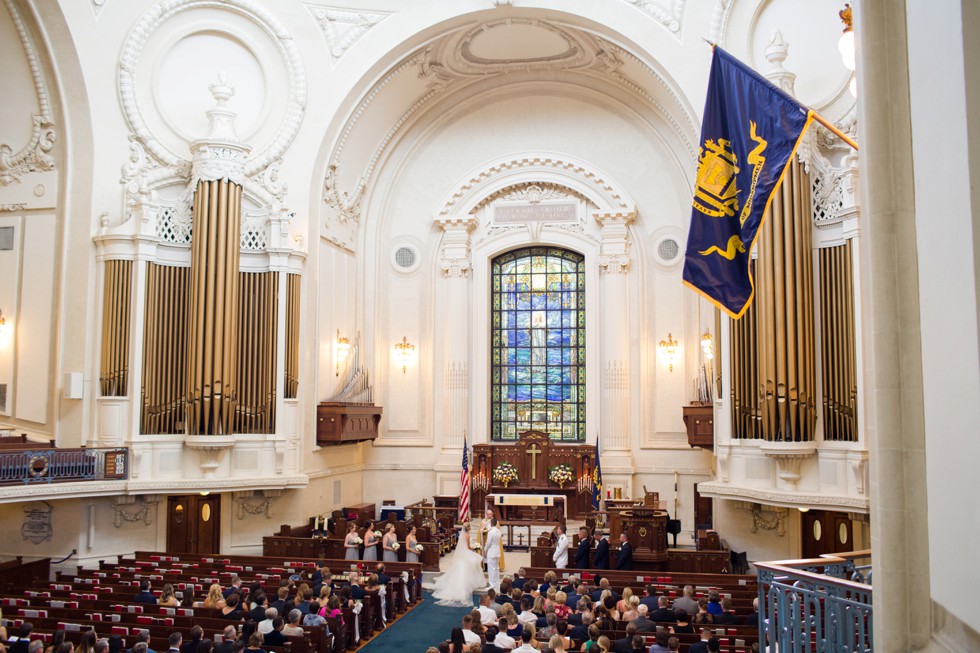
(464, 486)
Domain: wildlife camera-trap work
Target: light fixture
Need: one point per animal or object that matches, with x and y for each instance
(205, 493)
(341, 350)
(405, 349)
(3, 320)
(846, 42)
(804, 509)
(669, 348)
(707, 346)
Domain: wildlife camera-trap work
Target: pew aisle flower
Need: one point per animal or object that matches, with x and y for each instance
(561, 474)
(505, 473)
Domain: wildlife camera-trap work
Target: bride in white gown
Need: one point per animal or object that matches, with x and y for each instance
(463, 576)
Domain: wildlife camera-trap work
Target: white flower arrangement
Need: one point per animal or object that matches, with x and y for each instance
(395, 546)
(505, 473)
(477, 546)
(357, 540)
(377, 534)
(561, 474)
(419, 548)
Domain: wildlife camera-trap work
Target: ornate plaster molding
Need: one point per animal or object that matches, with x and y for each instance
(540, 168)
(342, 28)
(35, 155)
(455, 251)
(769, 520)
(98, 6)
(575, 54)
(780, 498)
(719, 21)
(669, 18)
(130, 509)
(255, 502)
(144, 28)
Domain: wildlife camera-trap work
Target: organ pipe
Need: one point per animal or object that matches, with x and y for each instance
(164, 349)
(838, 348)
(291, 364)
(255, 409)
(114, 376)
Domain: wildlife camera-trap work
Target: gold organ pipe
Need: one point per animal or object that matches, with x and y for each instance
(115, 329)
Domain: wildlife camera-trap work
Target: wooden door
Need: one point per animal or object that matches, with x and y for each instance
(823, 531)
(704, 518)
(194, 524)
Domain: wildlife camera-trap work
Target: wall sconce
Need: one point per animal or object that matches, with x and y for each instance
(405, 349)
(3, 320)
(669, 348)
(341, 350)
(707, 346)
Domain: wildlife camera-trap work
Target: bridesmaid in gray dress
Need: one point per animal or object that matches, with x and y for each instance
(351, 547)
(370, 542)
(387, 544)
(411, 541)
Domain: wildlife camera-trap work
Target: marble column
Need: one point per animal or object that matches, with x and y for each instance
(614, 265)
(455, 264)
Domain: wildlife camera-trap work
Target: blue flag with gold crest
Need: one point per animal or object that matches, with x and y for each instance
(596, 478)
(748, 135)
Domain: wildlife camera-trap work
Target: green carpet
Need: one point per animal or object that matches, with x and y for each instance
(426, 625)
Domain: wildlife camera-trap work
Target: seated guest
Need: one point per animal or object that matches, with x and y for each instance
(526, 615)
(649, 598)
(206, 646)
(663, 613)
(514, 626)
(236, 586)
(582, 589)
(572, 583)
(357, 592)
(491, 645)
(383, 578)
(643, 623)
(275, 637)
(313, 618)
(457, 643)
(687, 601)
(591, 644)
(526, 646)
(701, 646)
(633, 611)
(303, 598)
(625, 644)
(603, 586)
(487, 615)
(673, 644)
(638, 645)
(660, 645)
(231, 610)
(580, 632)
(557, 644)
(293, 629)
(683, 624)
(493, 604)
(624, 601)
(561, 608)
(519, 579)
(215, 599)
(254, 644)
(145, 595)
(753, 619)
(714, 603)
(259, 605)
(468, 635)
(167, 597)
(228, 636)
(265, 626)
(282, 604)
(20, 642)
(728, 616)
(144, 638)
(550, 628)
(333, 610)
(503, 640)
(191, 646)
(702, 616)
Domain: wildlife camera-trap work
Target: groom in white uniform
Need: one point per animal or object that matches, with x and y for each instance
(560, 556)
(491, 553)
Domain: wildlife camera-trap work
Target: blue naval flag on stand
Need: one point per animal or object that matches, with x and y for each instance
(749, 133)
(596, 478)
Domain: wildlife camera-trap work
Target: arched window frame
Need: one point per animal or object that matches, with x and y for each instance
(538, 343)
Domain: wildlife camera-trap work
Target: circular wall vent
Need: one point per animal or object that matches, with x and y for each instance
(405, 258)
(668, 249)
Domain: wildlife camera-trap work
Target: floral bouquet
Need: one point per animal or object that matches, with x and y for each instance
(505, 473)
(561, 474)
(395, 546)
(377, 534)
(358, 540)
(477, 546)
(419, 548)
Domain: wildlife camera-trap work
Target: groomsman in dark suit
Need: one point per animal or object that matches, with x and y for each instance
(583, 550)
(625, 559)
(601, 559)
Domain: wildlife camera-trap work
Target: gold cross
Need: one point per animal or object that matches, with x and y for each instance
(533, 451)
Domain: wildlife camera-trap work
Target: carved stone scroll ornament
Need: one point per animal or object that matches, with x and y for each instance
(258, 502)
(129, 510)
(769, 520)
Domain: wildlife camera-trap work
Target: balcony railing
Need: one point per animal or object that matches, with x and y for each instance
(32, 466)
(820, 605)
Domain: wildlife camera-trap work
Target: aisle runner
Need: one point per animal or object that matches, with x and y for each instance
(426, 625)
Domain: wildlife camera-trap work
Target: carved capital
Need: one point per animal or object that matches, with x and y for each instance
(455, 253)
(788, 456)
(615, 245)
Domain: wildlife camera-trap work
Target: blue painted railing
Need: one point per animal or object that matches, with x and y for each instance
(821, 605)
(31, 466)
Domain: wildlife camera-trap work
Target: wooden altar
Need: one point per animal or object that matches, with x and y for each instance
(533, 454)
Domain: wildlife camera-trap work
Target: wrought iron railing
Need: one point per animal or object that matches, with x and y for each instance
(815, 606)
(31, 466)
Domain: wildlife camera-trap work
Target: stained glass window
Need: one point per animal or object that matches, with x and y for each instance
(537, 367)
